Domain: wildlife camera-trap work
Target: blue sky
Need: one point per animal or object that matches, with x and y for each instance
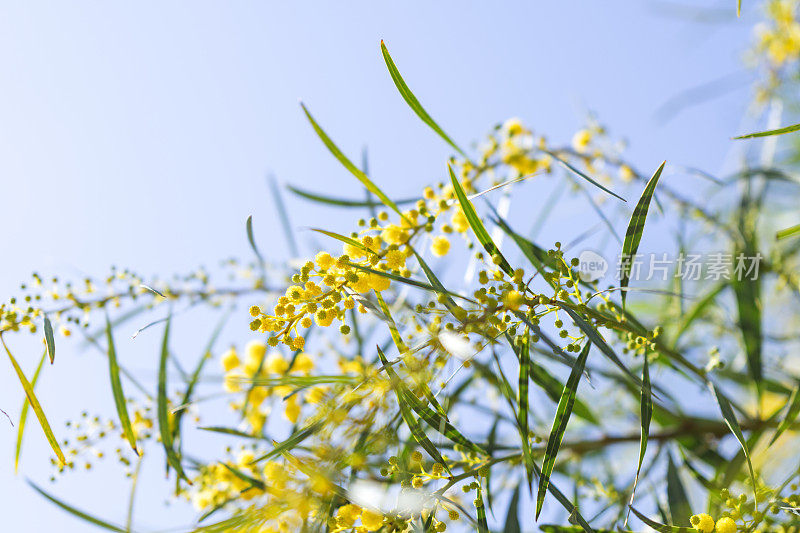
(140, 135)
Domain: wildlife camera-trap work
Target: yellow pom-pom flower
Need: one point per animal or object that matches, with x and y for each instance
(703, 523)
(581, 140)
(371, 520)
(230, 360)
(440, 246)
(276, 364)
(726, 525)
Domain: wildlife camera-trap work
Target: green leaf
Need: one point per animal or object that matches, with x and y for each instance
(161, 407)
(290, 443)
(523, 352)
(116, 389)
(552, 388)
(412, 423)
(37, 408)
(560, 422)
(49, 340)
(598, 340)
(435, 283)
(788, 232)
(341, 202)
(738, 8)
(412, 101)
(661, 527)
(697, 310)
(434, 419)
(346, 240)
(354, 170)
(574, 515)
(679, 508)
(791, 413)
(733, 425)
(476, 224)
(230, 431)
(512, 516)
(779, 131)
(748, 304)
(483, 526)
(635, 229)
(23, 416)
(583, 175)
(646, 415)
(251, 239)
(78, 513)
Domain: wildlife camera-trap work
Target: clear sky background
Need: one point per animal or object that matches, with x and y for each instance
(140, 135)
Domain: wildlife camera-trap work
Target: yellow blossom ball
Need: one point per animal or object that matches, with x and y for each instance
(323, 317)
(371, 520)
(347, 514)
(581, 140)
(292, 409)
(726, 525)
(362, 285)
(395, 259)
(253, 354)
(703, 523)
(303, 363)
(316, 394)
(625, 173)
(324, 260)
(440, 246)
(429, 193)
(378, 283)
(276, 364)
(513, 300)
(459, 221)
(230, 360)
(393, 234)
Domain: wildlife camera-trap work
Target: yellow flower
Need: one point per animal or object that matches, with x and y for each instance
(395, 259)
(230, 360)
(440, 246)
(324, 317)
(292, 409)
(726, 525)
(253, 354)
(581, 140)
(513, 300)
(459, 221)
(347, 514)
(428, 193)
(703, 523)
(513, 126)
(371, 520)
(394, 234)
(324, 260)
(303, 363)
(625, 173)
(378, 283)
(362, 285)
(316, 394)
(276, 364)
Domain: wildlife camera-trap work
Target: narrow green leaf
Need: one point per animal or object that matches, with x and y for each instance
(788, 232)
(733, 425)
(165, 430)
(552, 388)
(679, 508)
(346, 240)
(582, 175)
(434, 419)
(483, 526)
(76, 512)
(435, 283)
(560, 422)
(251, 239)
(412, 423)
(230, 431)
(661, 528)
(646, 415)
(739, 12)
(791, 413)
(116, 389)
(575, 516)
(23, 416)
(342, 202)
(412, 101)
(697, 310)
(290, 443)
(748, 304)
(779, 131)
(476, 224)
(37, 408)
(49, 339)
(354, 170)
(598, 340)
(512, 516)
(635, 229)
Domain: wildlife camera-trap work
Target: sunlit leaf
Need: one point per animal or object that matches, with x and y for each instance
(679, 507)
(251, 238)
(116, 390)
(34, 403)
(635, 229)
(24, 413)
(164, 427)
(779, 131)
(78, 513)
(791, 413)
(49, 339)
(560, 422)
(412, 101)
